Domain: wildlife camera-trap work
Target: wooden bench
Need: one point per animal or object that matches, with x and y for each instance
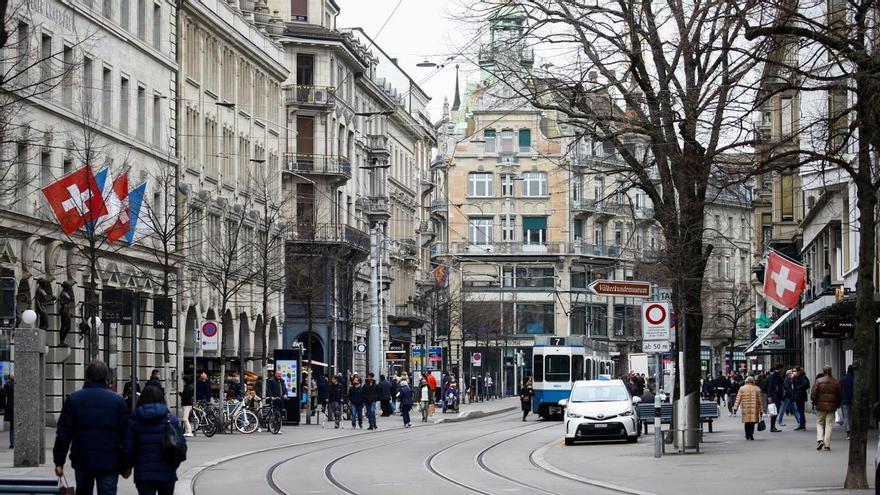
(28, 485)
(708, 413)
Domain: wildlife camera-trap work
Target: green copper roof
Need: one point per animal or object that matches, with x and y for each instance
(508, 10)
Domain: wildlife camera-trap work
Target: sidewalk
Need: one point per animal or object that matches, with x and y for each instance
(205, 452)
(781, 463)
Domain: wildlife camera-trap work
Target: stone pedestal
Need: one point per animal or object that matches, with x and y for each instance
(30, 391)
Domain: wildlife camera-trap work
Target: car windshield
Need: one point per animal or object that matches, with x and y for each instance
(608, 393)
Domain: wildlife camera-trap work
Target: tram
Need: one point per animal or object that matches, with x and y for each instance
(557, 362)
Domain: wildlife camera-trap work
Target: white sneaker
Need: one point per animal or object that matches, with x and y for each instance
(187, 434)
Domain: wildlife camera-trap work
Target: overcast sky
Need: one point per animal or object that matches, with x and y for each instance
(417, 29)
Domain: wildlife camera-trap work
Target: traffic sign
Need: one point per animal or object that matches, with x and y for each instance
(655, 346)
(210, 335)
(655, 321)
(360, 348)
(477, 359)
(621, 288)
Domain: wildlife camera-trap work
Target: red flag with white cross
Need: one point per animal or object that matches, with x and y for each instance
(784, 280)
(75, 199)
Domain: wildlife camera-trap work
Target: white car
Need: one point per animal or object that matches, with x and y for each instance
(600, 409)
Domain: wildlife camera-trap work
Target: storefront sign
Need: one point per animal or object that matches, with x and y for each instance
(833, 329)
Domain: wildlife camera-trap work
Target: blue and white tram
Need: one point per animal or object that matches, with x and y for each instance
(557, 362)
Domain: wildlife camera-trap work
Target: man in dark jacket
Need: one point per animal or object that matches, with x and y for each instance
(721, 383)
(800, 386)
(385, 395)
(371, 395)
(775, 390)
(203, 388)
(335, 393)
(91, 427)
(826, 397)
(276, 388)
(154, 380)
(356, 402)
(323, 386)
(846, 394)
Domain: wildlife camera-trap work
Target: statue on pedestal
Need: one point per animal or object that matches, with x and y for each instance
(66, 305)
(42, 299)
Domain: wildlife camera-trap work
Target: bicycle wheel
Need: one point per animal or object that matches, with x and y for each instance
(246, 421)
(211, 425)
(275, 422)
(194, 420)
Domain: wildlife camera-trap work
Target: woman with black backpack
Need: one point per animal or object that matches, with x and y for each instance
(153, 444)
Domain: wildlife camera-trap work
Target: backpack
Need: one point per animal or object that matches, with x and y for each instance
(173, 444)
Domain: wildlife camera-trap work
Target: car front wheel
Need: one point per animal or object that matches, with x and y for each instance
(569, 441)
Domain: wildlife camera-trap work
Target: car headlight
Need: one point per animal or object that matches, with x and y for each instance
(628, 412)
(569, 414)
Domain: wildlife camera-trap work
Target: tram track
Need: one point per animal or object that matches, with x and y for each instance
(399, 434)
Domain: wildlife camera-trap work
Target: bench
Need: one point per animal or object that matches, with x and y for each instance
(28, 485)
(708, 413)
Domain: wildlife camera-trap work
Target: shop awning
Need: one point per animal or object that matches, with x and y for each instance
(767, 331)
(315, 363)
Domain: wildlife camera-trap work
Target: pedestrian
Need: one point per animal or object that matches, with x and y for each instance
(371, 395)
(186, 403)
(751, 401)
(356, 402)
(525, 396)
(323, 386)
(775, 391)
(405, 397)
(155, 380)
(9, 407)
(788, 405)
(826, 395)
(732, 391)
(395, 390)
(721, 383)
(846, 395)
(233, 391)
(800, 386)
(335, 392)
(203, 388)
(90, 427)
(426, 398)
(708, 387)
(142, 444)
(277, 389)
(385, 395)
(127, 391)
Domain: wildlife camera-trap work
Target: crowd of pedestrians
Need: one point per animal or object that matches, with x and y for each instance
(782, 392)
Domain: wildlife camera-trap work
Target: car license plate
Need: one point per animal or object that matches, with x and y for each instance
(555, 410)
(600, 425)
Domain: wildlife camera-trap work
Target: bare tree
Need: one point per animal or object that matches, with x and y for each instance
(728, 309)
(660, 84)
(829, 48)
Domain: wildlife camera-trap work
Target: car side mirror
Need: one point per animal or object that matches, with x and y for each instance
(563, 402)
(636, 400)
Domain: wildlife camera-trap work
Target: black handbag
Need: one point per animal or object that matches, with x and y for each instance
(761, 424)
(173, 444)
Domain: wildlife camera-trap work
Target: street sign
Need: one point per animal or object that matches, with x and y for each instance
(655, 321)
(435, 355)
(773, 343)
(477, 359)
(210, 336)
(655, 346)
(395, 352)
(621, 288)
(360, 348)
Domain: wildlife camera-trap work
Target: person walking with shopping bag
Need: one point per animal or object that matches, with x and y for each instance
(826, 398)
(751, 400)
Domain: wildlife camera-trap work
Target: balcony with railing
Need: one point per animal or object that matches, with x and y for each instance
(321, 234)
(409, 249)
(305, 95)
(439, 206)
(308, 164)
(588, 207)
(491, 53)
(376, 207)
(426, 233)
(377, 143)
(408, 315)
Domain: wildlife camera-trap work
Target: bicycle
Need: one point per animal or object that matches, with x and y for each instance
(197, 416)
(269, 417)
(239, 417)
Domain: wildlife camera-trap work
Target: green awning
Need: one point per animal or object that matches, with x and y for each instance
(534, 223)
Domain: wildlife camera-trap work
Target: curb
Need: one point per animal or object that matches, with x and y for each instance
(473, 415)
(541, 462)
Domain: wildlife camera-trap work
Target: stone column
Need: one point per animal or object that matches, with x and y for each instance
(30, 391)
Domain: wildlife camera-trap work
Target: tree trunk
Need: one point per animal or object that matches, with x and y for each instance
(864, 340)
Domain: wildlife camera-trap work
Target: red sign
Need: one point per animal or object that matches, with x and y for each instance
(784, 281)
(209, 329)
(621, 288)
(655, 314)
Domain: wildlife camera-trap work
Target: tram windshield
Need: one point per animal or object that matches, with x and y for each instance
(609, 393)
(557, 369)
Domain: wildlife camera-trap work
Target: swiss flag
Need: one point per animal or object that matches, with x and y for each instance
(75, 199)
(784, 281)
(122, 222)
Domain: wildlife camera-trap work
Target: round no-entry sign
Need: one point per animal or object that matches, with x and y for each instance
(209, 329)
(655, 314)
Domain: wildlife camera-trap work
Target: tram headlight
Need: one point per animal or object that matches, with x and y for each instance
(570, 414)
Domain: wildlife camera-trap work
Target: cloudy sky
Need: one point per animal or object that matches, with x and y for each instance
(417, 29)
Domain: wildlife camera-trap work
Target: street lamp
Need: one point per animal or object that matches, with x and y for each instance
(427, 64)
(29, 317)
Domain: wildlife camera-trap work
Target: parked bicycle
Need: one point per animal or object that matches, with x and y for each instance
(269, 417)
(197, 416)
(232, 416)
